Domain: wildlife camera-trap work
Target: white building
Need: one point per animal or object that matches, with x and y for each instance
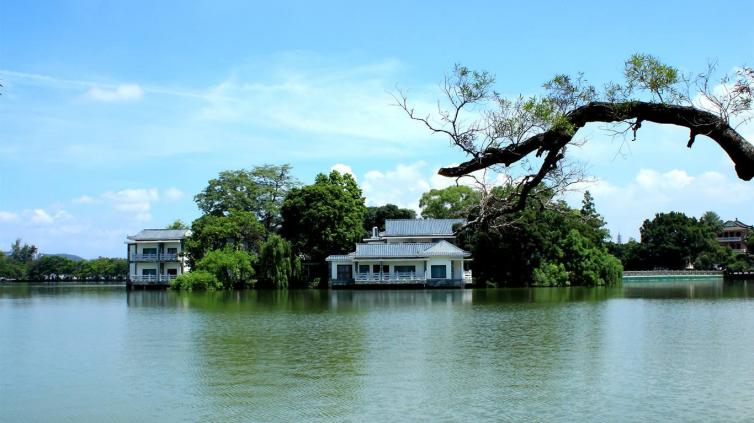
(155, 256)
(408, 252)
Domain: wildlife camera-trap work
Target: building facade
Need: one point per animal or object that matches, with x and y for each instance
(155, 256)
(734, 235)
(408, 252)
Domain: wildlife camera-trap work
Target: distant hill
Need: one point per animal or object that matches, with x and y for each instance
(68, 256)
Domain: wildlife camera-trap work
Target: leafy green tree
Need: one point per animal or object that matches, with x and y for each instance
(376, 216)
(713, 221)
(278, 265)
(51, 268)
(232, 268)
(529, 134)
(196, 280)
(238, 230)
(177, 224)
(674, 240)
(750, 242)
(452, 202)
(324, 218)
(23, 253)
(260, 190)
(9, 268)
(552, 245)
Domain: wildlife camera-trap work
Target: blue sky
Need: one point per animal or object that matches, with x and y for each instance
(113, 116)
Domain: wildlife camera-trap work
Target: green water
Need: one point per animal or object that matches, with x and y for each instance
(650, 351)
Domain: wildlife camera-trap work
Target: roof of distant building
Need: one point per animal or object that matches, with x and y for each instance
(420, 227)
(736, 224)
(407, 250)
(160, 235)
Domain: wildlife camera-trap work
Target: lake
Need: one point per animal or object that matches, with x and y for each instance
(649, 351)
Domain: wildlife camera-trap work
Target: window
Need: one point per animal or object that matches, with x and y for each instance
(375, 268)
(363, 268)
(149, 272)
(405, 269)
(344, 272)
(173, 272)
(149, 251)
(172, 250)
(439, 271)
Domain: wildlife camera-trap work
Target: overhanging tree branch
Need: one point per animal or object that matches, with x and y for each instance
(699, 122)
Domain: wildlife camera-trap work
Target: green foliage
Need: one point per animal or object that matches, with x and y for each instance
(260, 190)
(376, 216)
(324, 218)
(22, 253)
(551, 246)
(278, 266)
(232, 268)
(177, 224)
(674, 240)
(550, 274)
(455, 201)
(238, 230)
(712, 221)
(646, 72)
(197, 280)
(9, 268)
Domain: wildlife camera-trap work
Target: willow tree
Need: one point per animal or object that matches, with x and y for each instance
(534, 133)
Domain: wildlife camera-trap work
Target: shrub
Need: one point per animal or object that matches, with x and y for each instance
(197, 280)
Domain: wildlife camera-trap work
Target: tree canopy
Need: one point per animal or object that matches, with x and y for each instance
(325, 217)
(376, 216)
(448, 203)
(260, 190)
(534, 131)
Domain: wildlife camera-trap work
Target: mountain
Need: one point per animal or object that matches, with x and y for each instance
(68, 256)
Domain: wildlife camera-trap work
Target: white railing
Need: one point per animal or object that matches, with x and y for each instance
(144, 257)
(395, 276)
(152, 278)
(155, 257)
(730, 238)
(467, 274)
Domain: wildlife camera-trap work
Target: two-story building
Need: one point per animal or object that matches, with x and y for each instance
(155, 256)
(734, 235)
(409, 252)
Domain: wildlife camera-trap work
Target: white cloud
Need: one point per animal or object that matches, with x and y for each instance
(343, 169)
(173, 194)
(6, 216)
(135, 202)
(84, 199)
(124, 92)
(625, 207)
(402, 186)
(42, 217)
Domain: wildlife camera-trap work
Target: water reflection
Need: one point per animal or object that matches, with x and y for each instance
(650, 350)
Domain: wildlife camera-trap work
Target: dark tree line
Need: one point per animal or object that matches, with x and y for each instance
(24, 263)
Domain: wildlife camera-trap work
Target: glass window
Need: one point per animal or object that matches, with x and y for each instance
(405, 269)
(149, 251)
(363, 268)
(172, 250)
(375, 268)
(439, 271)
(149, 272)
(173, 272)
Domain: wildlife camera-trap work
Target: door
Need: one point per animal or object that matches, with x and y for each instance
(344, 272)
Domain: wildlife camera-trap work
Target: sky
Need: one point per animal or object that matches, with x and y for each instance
(113, 115)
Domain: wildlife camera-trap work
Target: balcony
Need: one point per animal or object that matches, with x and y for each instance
(155, 257)
(146, 279)
(395, 277)
(730, 239)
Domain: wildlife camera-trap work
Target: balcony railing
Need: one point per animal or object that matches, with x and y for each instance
(155, 257)
(730, 239)
(467, 274)
(382, 277)
(152, 278)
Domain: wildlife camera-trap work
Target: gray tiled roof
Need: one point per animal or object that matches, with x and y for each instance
(420, 227)
(409, 250)
(159, 235)
(736, 224)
